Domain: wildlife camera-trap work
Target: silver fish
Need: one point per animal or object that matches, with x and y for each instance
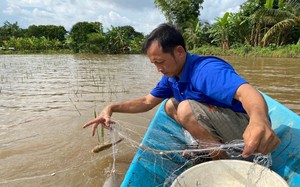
(102, 147)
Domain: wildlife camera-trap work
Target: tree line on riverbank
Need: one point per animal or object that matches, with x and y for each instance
(261, 27)
(84, 37)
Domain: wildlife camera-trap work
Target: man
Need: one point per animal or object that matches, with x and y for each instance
(206, 96)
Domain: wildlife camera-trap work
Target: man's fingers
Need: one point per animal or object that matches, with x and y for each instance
(99, 120)
(94, 128)
(86, 125)
(106, 124)
(249, 149)
(93, 121)
(90, 123)
(251, 143)
(270, 146)
(264, 146)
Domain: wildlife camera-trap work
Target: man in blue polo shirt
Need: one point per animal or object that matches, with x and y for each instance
(206, 96)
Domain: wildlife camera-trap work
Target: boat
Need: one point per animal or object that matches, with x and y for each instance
(150, 167)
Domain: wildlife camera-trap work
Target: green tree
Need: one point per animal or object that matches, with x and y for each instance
(220, 31)
(280, 15)
(248, 12)
(251, 6)
(95, 42)
(285, 22)
(115, 39)
(239, 29)
(80, 35)
(44, 43)
(196, 34)
(133, 39)
(56, 44)
(49, 31)
(9, 30)
(192, 35)
(118, 37)
(179, 12)
(35, 43)
(25, 44)
(136, 44)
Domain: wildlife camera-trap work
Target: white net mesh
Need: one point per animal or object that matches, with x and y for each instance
(166, 155)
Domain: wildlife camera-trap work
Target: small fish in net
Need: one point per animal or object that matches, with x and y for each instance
(104, 146)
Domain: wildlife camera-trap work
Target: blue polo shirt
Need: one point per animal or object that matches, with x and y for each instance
(205, 79)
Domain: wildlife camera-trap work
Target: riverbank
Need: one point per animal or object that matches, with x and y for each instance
(24, 52)
(288, 51)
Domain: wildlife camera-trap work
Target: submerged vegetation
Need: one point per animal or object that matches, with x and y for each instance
(261, 28)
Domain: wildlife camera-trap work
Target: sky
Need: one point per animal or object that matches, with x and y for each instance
(142, 15)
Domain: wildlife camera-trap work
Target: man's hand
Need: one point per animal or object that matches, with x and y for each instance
(104, 118)
(259, 138)
(135, 106)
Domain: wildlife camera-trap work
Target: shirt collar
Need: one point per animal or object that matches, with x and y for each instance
(185, 75)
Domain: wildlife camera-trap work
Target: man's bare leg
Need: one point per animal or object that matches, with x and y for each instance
(184, 115)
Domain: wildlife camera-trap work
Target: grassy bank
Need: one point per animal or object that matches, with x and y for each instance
(288, 51)
(61, 51)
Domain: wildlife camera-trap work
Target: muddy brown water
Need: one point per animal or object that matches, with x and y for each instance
(45, 100)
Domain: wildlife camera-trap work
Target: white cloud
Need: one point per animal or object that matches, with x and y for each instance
(10, 10)
(14, 9)
(37, 13)
(217, 8)
(137, 5)
(140, 14)
(26, 3)
(147, 23)
(114, 19)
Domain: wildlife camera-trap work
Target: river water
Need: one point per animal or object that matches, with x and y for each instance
(45, 100)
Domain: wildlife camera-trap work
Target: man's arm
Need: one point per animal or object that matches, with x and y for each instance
(258, 136)
(135, 106)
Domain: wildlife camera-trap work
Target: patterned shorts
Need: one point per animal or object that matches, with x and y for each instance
(223, 123)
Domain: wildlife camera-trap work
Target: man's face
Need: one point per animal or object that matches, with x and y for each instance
(166, 63)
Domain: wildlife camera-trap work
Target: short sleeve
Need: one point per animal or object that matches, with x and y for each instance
(162, 89)
(219, 81)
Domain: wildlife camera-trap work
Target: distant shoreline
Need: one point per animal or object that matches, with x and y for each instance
(288, 51)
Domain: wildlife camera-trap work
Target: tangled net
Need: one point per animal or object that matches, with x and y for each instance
(182, 154)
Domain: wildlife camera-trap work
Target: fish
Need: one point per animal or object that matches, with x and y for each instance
(105, 146)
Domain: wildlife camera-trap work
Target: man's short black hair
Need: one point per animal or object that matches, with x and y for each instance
(167, 36)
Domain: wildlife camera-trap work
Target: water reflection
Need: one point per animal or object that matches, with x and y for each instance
(45, 100)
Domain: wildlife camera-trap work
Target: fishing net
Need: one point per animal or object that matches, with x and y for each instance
(167, 150)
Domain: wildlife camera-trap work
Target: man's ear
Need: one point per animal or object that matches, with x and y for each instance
(179, 50)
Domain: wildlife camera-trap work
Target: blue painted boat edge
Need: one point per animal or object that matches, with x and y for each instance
(284, 122)
(135, 166)
(286, 158)
(280, 114)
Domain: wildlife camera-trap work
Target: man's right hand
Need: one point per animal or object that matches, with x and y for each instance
(104, 118)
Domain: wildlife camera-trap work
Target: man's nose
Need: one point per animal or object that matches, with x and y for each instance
(159, 68)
